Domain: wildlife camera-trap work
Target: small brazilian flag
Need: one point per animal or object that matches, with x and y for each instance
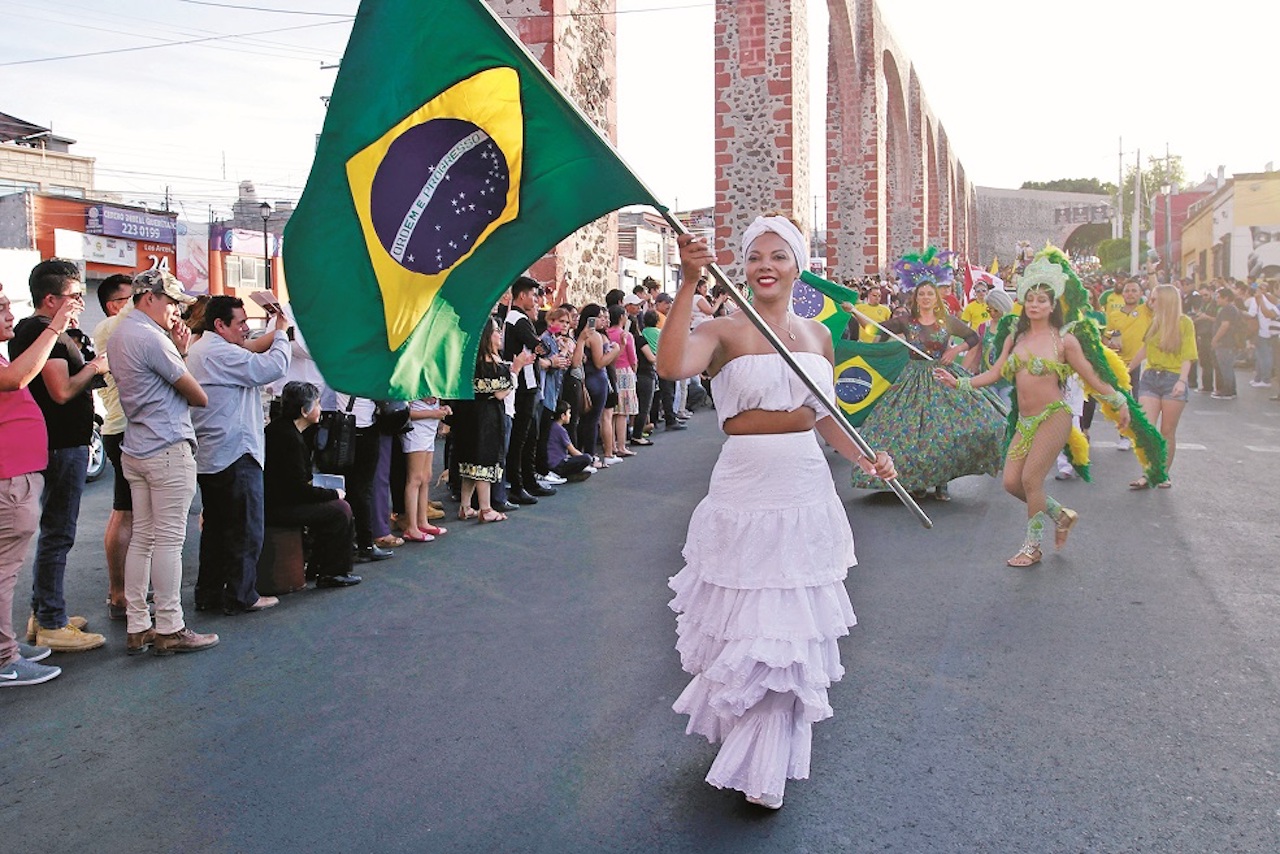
(818, 299)
(864, 372)
(449, 163)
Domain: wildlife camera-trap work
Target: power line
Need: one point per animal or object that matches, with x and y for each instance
(614, 13)
(346, 15)
(167, 44)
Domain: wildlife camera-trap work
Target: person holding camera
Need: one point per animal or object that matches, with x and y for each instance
(64, 392)
(230, 452)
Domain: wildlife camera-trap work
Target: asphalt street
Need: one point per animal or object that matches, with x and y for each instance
(508, 687)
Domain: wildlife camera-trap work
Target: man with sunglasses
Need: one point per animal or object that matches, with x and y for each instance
(63, 391)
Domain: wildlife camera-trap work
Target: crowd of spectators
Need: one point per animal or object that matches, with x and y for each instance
(562, 392)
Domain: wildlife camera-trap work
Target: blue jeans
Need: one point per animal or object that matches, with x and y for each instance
(1224, 377)
(59, 510)
(1261, 360)
(231, 541)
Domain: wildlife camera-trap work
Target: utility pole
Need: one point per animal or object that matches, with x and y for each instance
(1117, 224)
(1137, 217)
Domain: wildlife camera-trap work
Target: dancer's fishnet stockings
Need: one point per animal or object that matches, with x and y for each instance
(1024, 478)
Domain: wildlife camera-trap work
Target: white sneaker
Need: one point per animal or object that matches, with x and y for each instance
(591, 469)
(554, 479)
(1258, 384)
(1123, 444)
(611, 461)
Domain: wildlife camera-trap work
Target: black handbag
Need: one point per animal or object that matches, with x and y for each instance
(336, 441)
(391, 417)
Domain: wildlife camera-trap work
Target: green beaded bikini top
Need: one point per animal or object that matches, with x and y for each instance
(1037, 366)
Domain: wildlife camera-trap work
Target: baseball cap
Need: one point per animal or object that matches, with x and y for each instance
(664, 297)
(161, 282)
(632, 299)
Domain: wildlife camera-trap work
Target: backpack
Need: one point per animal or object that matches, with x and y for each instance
(336, 441)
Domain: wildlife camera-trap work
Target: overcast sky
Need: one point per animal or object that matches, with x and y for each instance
(1023, 95)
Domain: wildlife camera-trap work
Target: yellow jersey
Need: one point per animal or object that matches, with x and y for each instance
(1162, 360)
(975, 314)
(1132, 324)
(879, 313)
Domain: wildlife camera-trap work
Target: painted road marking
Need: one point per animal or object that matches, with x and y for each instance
(1182, 446)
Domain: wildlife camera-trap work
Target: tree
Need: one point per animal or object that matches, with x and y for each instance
(1113, 255)
(1073, 185)
(1158, 172)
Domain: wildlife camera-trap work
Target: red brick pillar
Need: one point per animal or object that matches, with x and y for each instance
(576, 42)
(761, 110)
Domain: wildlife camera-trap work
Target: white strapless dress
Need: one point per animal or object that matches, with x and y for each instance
(761, 598)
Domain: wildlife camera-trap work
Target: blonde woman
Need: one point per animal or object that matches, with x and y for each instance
(1167, 351)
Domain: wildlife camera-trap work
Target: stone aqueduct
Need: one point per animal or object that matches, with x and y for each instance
(893, 182)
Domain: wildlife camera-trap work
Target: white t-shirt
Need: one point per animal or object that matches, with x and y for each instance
(1266, 326)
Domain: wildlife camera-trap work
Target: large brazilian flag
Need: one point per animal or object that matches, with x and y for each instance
(448, 164)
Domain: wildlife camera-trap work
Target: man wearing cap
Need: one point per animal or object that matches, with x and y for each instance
(229, 453)
(158, 456)
(64, 392)
(633, 305)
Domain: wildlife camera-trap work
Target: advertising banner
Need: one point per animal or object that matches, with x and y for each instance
(135, 225)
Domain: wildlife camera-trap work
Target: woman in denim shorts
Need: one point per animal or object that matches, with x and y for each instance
(1166, 356)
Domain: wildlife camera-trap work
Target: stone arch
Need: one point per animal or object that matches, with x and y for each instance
(900, 177)
(932, 208)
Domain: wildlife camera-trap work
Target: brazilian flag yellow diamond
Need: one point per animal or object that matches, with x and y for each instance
(434, 187)
(858, 385)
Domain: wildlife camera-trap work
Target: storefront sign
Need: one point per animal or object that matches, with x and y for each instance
(241, 241)
(135, 225)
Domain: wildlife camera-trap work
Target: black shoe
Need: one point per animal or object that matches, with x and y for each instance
(371, 553)
(519, 496)
(505, 506)
(677, 426)
(337, 581)
(541, 491)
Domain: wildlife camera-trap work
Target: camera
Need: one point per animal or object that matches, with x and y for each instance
(87, 352)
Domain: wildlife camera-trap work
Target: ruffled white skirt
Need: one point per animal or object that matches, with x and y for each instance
(762, 603)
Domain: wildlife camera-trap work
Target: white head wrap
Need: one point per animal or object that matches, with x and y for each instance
(785, 229)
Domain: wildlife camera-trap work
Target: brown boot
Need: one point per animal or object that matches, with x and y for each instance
(183, 640)
(137, 642)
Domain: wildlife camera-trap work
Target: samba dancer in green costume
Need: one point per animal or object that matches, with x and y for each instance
(1042, 353)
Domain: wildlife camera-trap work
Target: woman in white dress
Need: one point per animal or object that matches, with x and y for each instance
(761, 597)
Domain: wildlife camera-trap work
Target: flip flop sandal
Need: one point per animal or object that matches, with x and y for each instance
(1031, 553)
(1140, 483)
(1168, 484)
